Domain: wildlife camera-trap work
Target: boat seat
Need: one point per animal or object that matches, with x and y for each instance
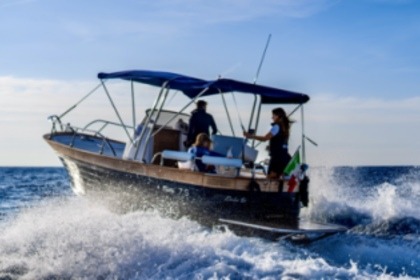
(226, 165)
(234, 146)
(184, 159)
(230, 162)
(177, 155)
(228, 144)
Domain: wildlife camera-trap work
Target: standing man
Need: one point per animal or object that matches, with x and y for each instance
(200, 122)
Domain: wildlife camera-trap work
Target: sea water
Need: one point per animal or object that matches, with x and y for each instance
(47, 232)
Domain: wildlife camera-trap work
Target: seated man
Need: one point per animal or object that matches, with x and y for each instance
(200, 148)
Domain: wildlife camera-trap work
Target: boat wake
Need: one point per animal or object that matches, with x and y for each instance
(73, 237)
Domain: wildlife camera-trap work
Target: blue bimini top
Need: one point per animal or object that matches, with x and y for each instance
(192, 87)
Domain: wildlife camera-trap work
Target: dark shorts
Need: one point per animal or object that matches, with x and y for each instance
(278, 163)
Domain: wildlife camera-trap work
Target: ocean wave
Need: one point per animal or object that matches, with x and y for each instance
(54, 235)
(343, 196)
(77, 238)
(406, 227)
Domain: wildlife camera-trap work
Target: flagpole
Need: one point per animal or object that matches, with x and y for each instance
(303, 135)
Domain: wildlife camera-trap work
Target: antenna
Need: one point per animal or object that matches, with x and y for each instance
(262, 59)
(255, 81)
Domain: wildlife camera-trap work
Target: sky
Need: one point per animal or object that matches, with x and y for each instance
(358, 60)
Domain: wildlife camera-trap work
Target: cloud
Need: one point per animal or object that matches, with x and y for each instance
(356, 131)
(37, 95)
(369, 110)
(349, 131)
(83, 31)
(172, 17)
(8, 3)
(238, 10)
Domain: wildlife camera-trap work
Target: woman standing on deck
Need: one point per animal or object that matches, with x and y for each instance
(278, 137)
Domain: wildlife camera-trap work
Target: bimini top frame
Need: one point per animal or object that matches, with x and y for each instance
(195, 88)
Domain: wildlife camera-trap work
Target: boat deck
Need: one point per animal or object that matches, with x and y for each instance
(113, 148)
(91, 144)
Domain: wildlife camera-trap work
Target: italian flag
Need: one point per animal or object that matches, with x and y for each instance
(292, 171)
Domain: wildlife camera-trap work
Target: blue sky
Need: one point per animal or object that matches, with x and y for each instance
(359, 61)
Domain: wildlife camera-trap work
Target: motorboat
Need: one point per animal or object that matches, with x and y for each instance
(149, 167)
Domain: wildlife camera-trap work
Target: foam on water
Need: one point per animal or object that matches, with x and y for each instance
(69, 237)
(76, 238)
(382, 214)
(336, 195)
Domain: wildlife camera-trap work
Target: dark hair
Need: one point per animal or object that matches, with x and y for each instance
(285, 122)
(201, 104)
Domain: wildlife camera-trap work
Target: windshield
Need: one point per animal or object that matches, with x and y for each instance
(165, 116)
